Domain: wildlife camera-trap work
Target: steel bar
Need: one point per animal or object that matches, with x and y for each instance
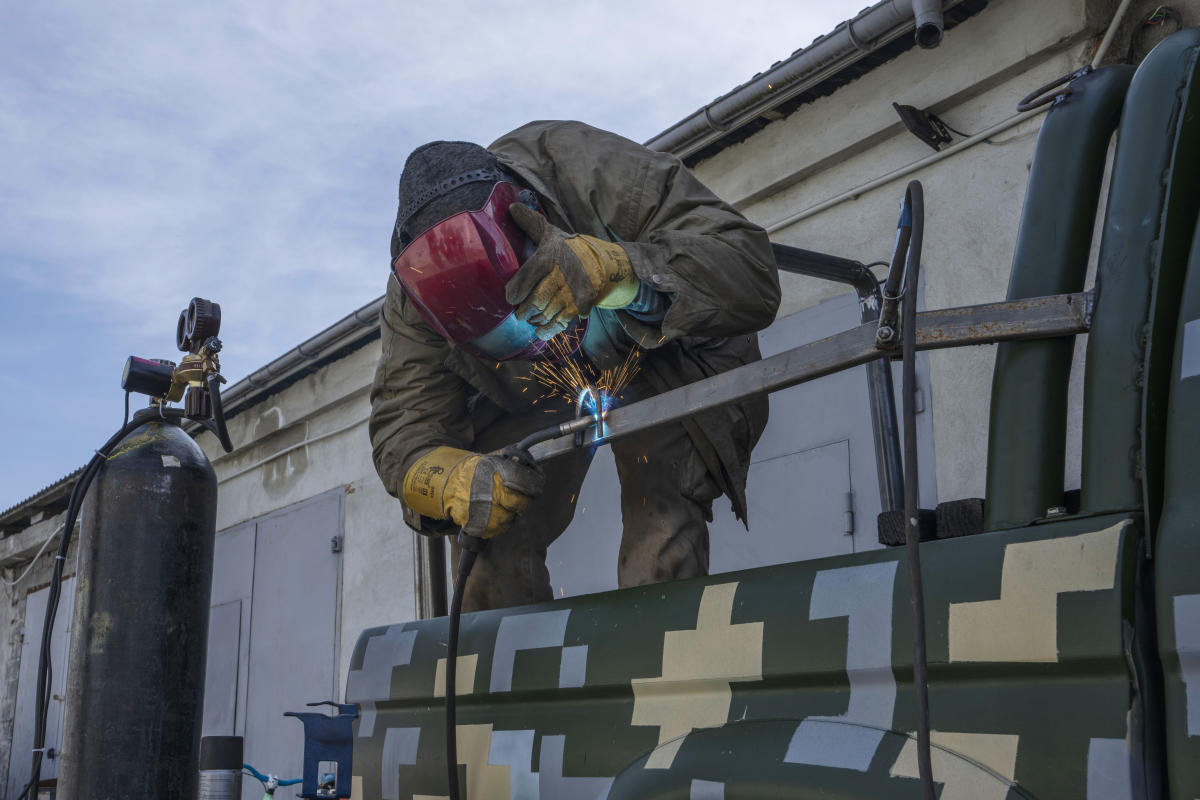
(831, 268)
(429, 563)
(886, 432)
(881, 395)
(1033, 318)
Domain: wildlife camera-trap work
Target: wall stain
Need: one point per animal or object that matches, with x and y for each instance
(281, 474)
(101, 624)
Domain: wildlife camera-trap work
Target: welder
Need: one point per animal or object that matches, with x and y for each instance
(560, 229)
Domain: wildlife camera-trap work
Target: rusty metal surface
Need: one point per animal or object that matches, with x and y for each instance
(1033, 318)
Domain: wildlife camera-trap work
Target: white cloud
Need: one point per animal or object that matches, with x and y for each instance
(249, 152)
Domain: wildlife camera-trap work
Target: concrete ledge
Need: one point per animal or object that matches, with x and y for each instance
(20, 547)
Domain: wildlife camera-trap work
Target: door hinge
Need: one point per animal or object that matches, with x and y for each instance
(335, 544)
(848, 524)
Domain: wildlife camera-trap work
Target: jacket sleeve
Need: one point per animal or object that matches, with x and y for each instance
(417, 403)
(716, 266)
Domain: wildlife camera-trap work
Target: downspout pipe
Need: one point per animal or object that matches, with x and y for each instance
(1027, 437)
(848, 43)
(927, 15)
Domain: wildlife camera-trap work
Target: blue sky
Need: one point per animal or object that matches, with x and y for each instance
(249, 153)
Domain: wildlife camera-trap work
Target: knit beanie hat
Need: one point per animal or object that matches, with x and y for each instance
(441, 179)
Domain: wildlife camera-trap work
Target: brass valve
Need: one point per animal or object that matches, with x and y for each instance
(194, 369)
(196, 379)
(196, 335)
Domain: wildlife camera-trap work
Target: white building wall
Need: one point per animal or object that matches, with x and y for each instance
(973, 198)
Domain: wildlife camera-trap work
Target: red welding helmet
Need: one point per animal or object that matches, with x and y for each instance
(455, 273)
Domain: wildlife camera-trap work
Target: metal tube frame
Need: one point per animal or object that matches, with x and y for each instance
(884, 427)
(429, 557)
(1032, 318)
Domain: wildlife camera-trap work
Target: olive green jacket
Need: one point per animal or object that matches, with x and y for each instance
(716, 267)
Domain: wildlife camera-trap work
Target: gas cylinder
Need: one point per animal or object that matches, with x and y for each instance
(135, 680)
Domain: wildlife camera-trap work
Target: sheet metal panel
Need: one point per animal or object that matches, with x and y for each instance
(293, 633)
(22, 740)
(221, 673)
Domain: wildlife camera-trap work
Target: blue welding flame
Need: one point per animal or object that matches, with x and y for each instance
(587, 403)
(606, 402)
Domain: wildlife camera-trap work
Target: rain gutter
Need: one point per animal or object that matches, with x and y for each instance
(828, 55)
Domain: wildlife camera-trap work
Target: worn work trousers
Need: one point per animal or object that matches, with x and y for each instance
(666, 504)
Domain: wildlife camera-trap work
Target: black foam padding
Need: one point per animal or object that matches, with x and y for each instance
(429, 165)
(891, 526)
(960, 518)
(221, 753)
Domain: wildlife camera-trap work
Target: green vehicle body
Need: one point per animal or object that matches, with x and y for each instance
(1063, 650)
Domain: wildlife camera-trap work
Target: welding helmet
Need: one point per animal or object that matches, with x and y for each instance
(455, 269)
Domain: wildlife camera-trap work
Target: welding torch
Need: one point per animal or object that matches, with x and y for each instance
(589, 411)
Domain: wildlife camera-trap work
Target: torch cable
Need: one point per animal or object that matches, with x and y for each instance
(915, 200)
(471, 547)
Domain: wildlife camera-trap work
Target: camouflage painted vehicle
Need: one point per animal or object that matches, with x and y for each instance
(1063, 648)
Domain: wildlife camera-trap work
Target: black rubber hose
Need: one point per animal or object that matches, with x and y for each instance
(45, 669)
(892, 293)
(471, 547)
(915, 199)
(214, 381)
(466, 561)
(544, 435)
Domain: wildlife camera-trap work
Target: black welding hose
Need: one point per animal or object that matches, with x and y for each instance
(471, 547)
(546, 434)
(466, 561)
(214, 381)
(45, 670)
(892, 290)
(915, 199)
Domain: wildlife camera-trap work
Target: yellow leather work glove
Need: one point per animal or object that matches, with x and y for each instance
(567, 276)
(481, 493)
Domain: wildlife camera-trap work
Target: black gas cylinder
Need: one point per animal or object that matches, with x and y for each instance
(135, 680)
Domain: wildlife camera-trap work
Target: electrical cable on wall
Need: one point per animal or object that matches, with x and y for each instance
(33, 560)
(1159, 18)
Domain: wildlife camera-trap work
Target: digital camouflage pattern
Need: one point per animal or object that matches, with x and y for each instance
(785, 681)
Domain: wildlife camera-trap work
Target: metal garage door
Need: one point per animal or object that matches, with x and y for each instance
(273, 636)
(20, 757)
(797, 504)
